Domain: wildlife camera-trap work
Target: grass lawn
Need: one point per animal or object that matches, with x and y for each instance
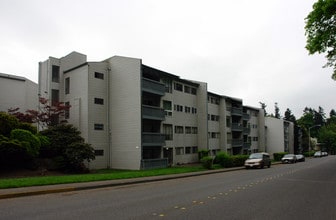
(99, 175)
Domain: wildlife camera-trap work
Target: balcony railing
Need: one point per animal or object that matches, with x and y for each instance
(236, 111)
(153, 139)
(154, 163)
(246, 116)
(152, 112)
(246, 145)
(152, 86)
(237, 127)
(246, 130)
(237, 143)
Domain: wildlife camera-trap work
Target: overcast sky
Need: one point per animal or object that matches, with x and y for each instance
(252, 50)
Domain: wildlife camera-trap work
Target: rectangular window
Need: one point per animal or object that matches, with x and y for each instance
(99, 152)
(179, 150)
(194, 149)
(193, 91)
(168, 131)
(99, 126)
(55, 73)
(168, 85)
(179, 130)
(178, 108)
(187, 89)
(178, 87)
(188, 130)
(194, 130)
(54, 97)
(188, 150)
(67, 85)
(99, 75)
(167, 106)
(194, 110)
(99, 101)
(187, 109)
(67, 110)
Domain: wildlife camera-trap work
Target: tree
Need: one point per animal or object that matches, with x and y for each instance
(263, 106)
(276, 111)
(327, 136)
(48, 114)
(7, 123)
(320, 31)
(289, 116)
(67, 147)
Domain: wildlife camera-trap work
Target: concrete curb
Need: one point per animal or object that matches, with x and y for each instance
(40, 190)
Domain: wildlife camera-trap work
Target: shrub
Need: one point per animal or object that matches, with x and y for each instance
(238, 160)
(203, 153)
(28, 140)
(224, 160)
(207, 162)
(278, 156)
(7, 123)
(12, 154)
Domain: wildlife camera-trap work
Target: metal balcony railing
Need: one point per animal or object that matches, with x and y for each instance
(152, 86)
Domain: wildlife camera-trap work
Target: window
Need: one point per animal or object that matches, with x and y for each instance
(187, 89)
(194, 149)
(193, 91)
(67, 110)
(167, 106)
(178, 87)
(188, 150)
(178, 108)
(99, 152)
(188, 130)
(99, 101)
(194, 130)
(99, 75)
(54, 97)
(168, 85)
(178, 129)
(99, 126)
(55, 73)
(187, 109)
(179, 150)
(168, 131)
(194, 110)
(67, 85)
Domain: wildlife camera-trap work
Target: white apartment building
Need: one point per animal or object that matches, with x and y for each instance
(139, 117)
(17, 92)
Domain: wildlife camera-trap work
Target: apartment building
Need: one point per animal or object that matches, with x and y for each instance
(17, 92)
(139, 117)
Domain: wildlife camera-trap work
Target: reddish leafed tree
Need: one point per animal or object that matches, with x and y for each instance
(47, 115)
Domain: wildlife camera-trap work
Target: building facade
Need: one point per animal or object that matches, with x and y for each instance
(17, 92)
(139, 117)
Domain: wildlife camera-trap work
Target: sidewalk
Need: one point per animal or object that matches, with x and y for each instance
(39, 190)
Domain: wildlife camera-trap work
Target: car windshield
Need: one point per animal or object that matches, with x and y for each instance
(255, 156)
(289, 155)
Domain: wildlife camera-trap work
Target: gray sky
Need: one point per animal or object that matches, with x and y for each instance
(253, 50)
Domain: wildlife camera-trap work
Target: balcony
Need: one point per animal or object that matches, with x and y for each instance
(153, 87)
(246, 116)
(154, 163)
(153, 113)
(153, 139)
(246, 130)
(246, 145)
(236, 127)
(237, 143)
(236, 111)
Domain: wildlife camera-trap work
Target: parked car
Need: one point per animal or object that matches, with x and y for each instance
(258, 160)
(300, 158)
(324, 154)
(289, 158)
(318, 154)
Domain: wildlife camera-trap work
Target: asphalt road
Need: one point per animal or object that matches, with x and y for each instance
(305, 190)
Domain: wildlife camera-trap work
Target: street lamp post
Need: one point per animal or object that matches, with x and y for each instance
(309, 137)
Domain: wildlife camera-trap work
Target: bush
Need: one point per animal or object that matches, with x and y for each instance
(224, 160)
(238, 160)
(12, 154)
(207, 162)
(203, 153)
(7, 123)
(28, 140)
(278, 156)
